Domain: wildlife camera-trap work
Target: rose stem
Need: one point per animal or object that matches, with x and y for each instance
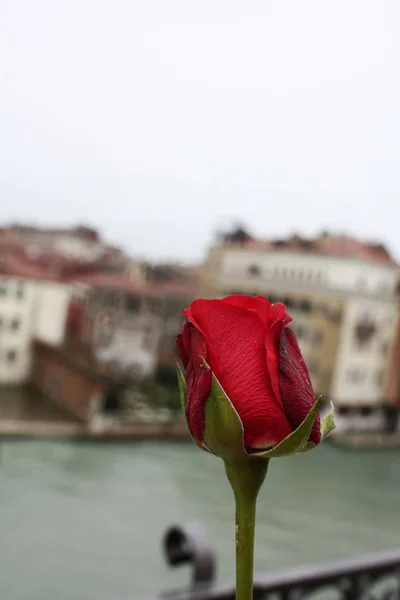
(246, 478)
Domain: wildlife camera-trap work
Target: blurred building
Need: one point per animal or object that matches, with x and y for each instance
(29, 309)
(60, 252)
(174, 288)
(117, 333)
(342, 294)
(82, 321)
(393, 369)
(121, 323)
(38, 268)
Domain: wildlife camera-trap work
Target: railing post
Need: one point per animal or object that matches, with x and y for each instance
(188, 543)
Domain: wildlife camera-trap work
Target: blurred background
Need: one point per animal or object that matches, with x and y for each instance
(151, 153)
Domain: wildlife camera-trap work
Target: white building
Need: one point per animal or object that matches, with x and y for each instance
(367, 336)
(122, 328)
(28, 309)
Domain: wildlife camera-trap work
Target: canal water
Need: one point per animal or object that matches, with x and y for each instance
(81, 521)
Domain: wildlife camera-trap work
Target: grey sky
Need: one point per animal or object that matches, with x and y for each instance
(161, 120)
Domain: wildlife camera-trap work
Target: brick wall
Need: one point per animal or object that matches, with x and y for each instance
(65, 383)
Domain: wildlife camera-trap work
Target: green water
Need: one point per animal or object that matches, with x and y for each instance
(84, 522)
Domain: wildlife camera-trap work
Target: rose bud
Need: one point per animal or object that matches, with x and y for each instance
(246, 389)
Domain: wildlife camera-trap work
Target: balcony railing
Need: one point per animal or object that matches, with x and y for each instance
(367, 577)
(361, 418)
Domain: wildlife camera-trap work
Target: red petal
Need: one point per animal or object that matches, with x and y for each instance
(183, 344)
(295, 384)
(236, 354)
(192, 349)
(259, 304)
(278, 314)
(279, 318)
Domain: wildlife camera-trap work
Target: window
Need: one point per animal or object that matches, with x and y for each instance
(355, 376)
(11, 355)
(15, 323)
(132, 304)
(364, 332)
(254, 271)
(288, 302)
(20, 289)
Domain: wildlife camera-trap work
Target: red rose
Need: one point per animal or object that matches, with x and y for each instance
(252, 351)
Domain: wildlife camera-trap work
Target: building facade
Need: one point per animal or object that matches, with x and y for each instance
(29, 310)
(342, 295)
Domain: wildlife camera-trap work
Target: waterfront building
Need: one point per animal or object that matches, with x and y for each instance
(29, 309)
(38, 273)
(342, 294)
(81, 321)
(135, 325)
(60, 251)
(117, 334)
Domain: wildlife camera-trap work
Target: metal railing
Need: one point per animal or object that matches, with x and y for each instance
(367, 577)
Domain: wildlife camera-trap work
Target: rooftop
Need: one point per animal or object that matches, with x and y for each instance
(56, 254)
(78, 256)
(326, 244)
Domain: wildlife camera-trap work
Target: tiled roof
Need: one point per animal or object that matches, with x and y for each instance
(80, 231)
(44, 263)
(329, 245)
(15, 267)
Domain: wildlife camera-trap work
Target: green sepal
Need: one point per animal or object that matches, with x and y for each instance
(182, 396)
(223, 431)
(307, 447)
(327, 425)
(182, 387)
(296, 441)
(328, 422)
